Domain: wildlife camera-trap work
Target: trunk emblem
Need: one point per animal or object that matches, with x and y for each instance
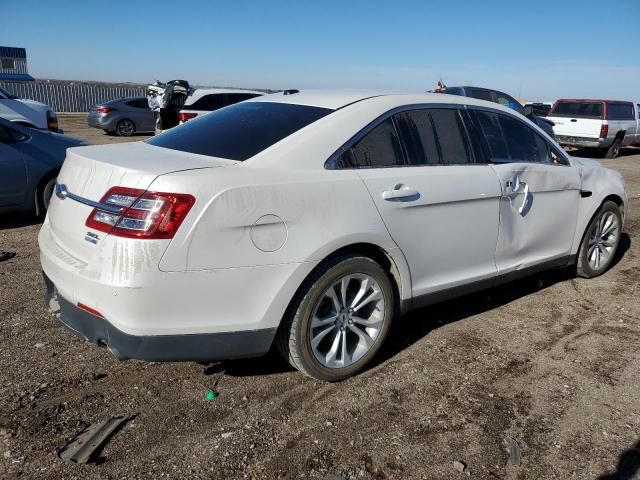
(61, 191)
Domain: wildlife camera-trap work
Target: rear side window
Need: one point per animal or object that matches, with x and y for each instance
(231, 98)
(207, 103)
(620, 111)
(435, 137)
(480, 94)
(378, 148)
(510, 140)
(577, 109)
(240, 131)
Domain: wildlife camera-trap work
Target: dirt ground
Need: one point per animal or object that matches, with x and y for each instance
(551, 361)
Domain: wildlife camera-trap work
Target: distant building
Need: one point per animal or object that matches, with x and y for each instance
(13, 65)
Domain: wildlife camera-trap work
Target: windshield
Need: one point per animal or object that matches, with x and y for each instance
(240, 131)
(577, 109)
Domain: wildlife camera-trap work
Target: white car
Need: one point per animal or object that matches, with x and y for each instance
(311, 220)
(28, 113)
(205, 100)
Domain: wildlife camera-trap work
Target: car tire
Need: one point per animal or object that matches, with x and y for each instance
(322, 335)
(600, 241)
(45, 192)
(125, 128)
(614, 149)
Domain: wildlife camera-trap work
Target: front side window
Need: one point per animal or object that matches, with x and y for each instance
(620, 111)
(510, 140)
(378, 148)
(239, 131)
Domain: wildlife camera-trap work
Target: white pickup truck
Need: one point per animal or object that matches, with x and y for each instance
(603, 124)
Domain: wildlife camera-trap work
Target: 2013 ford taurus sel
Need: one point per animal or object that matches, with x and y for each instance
(309, 220)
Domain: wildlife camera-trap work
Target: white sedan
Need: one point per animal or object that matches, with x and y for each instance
(310, 220)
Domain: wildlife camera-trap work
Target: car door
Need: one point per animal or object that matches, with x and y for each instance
(439, 204)
(13, 170)
(145, 120)
(540, 193)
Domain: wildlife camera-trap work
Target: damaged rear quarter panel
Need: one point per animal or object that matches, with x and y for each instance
(321, 210)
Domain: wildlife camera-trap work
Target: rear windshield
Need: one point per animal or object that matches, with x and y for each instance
(577, 109)
(239, 131)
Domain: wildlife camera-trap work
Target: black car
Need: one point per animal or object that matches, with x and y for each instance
(503, 99)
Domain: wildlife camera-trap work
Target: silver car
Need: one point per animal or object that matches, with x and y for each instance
(30, 160)
(122, 117)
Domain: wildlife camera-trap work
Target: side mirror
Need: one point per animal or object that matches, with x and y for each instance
(528, 110)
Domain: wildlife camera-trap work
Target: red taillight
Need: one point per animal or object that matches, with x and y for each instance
(604, 131)
(135, 213)
(90, 310)
(104, 110)
(184, 116)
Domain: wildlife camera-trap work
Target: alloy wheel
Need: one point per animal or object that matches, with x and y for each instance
(602, 241)
(346, 321)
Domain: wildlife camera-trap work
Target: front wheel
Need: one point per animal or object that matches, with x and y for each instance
(600, 241)
(339, 319)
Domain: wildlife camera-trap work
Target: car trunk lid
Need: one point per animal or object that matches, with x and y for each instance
(89, 172)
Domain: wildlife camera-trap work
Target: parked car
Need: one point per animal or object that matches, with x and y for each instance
(310, 220)
(30, 160)
(123, 117)
(204, 100)
(503, 99)
(27, 112)
(539, 109)
(606, 125)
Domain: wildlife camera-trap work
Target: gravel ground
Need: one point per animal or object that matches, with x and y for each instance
(551, 361)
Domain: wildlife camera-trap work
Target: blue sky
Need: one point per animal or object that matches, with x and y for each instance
(538, 50)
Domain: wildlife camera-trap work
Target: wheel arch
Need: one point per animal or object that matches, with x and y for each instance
(53, 173)
(593, 211)
(392, 261)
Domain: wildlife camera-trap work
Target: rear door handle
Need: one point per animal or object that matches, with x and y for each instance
(574, 120)
(401, 193)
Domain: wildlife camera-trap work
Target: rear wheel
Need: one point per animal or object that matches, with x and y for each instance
(339, 319)
(600, 241)
(125, 128)
(614, 149)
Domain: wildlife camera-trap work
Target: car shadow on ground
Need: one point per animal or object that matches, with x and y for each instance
(628, 465)
(413, 326)
(18, 220)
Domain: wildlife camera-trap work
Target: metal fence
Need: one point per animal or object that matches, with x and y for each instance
(71, 96)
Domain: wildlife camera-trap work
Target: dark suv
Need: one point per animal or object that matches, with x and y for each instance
(502, 98)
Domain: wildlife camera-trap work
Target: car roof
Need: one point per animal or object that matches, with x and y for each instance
(123, 99)
(336, 99)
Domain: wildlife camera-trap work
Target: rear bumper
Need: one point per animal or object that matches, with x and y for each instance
(586, 142)
(158, 348)
(103, 122)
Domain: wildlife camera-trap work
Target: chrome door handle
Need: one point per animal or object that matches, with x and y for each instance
(401, 192)
(526, 194)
